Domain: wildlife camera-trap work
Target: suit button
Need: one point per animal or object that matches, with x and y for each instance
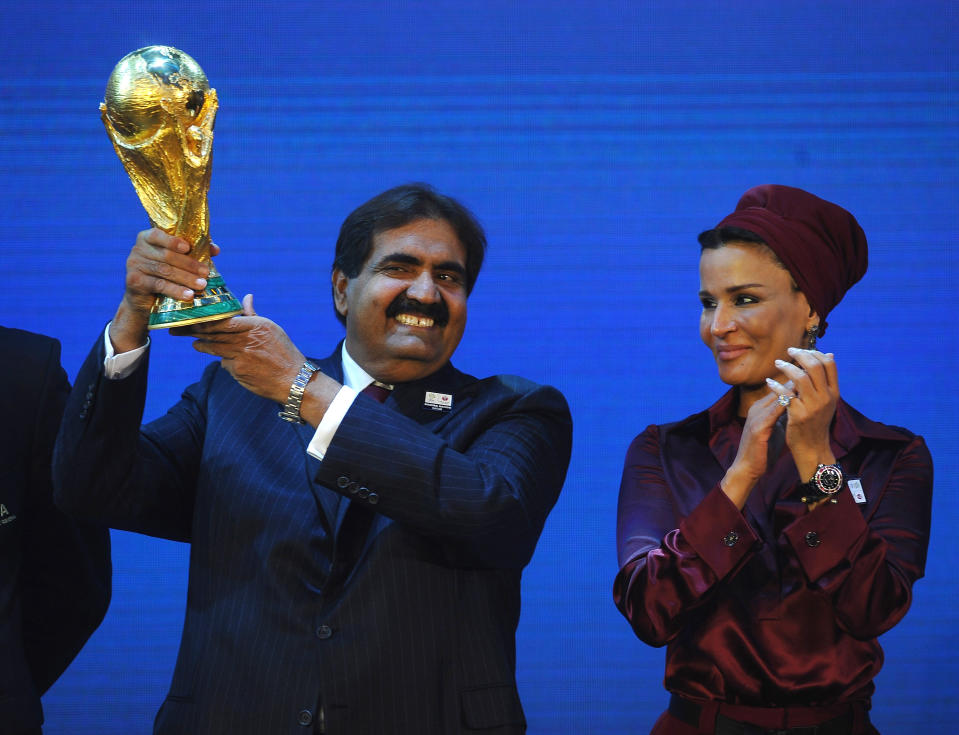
(374, 498)
(305, 717)
(813, 540)
(324, 632)
(363, 492)
(731, 539)
(342, 482)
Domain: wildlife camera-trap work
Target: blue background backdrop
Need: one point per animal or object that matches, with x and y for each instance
(594, 140)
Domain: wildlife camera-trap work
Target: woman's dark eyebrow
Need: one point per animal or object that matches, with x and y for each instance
(734, 289)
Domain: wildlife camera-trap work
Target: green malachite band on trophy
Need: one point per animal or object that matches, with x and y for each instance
(214, 301)
(183, 317)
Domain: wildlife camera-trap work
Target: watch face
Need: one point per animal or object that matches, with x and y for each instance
(829, 479)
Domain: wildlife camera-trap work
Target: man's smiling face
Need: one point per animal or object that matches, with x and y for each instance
(406, 309)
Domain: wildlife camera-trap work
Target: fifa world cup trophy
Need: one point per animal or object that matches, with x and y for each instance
(158, 110)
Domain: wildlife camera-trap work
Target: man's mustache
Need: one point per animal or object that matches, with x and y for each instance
(437, 311)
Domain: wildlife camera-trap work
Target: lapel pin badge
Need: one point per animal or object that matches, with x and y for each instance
(855, 487)
(438, 401)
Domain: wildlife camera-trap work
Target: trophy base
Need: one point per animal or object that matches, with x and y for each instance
(214, 302)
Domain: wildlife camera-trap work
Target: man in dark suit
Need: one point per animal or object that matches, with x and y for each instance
(54, 573)
(356, 561)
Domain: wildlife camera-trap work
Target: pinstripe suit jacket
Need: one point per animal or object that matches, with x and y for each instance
(376, 591)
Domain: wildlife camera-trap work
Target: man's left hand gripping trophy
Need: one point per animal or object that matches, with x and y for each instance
(159, 110)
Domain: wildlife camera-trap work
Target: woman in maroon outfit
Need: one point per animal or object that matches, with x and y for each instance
(770, 539)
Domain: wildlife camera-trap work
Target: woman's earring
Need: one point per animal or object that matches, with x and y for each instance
(811, 337)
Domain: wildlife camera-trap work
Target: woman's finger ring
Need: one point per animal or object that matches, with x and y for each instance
(784, 400)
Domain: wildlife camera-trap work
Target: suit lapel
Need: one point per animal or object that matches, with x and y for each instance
(356, 525)
(410, 399)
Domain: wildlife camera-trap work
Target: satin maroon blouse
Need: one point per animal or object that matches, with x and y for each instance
(775, 605)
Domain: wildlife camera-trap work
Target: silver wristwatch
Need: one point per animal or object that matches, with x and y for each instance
(291, 411)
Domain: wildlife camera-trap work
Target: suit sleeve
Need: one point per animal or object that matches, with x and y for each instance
(487, 497)
(671, 566)
(868, 566)
(107, 469)
(66, 563)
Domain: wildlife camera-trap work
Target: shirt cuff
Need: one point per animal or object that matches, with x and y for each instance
(118, 367)
(718, 533)
(331, 422)
(824, 537)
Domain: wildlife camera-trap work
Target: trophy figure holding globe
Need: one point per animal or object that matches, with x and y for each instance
(159, 110)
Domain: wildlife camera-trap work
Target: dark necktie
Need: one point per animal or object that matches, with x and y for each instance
(377, 391)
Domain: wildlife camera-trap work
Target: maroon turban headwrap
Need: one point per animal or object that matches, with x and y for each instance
(819, 242)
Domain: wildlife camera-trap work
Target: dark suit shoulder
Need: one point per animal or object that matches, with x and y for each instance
(509, 385)
(24, 358)
(504, 394)
(12, 338)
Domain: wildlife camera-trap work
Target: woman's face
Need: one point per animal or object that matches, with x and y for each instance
(751, 312)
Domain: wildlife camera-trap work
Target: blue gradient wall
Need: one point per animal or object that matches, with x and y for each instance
(594, 140)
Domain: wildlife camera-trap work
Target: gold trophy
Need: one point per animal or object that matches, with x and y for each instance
(158, 110)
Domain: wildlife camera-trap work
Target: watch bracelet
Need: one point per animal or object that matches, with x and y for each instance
(291, 410)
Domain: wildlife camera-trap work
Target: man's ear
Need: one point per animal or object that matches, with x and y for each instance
(340, 282)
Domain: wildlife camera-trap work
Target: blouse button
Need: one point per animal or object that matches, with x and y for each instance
(812, 539)
(731, 539)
